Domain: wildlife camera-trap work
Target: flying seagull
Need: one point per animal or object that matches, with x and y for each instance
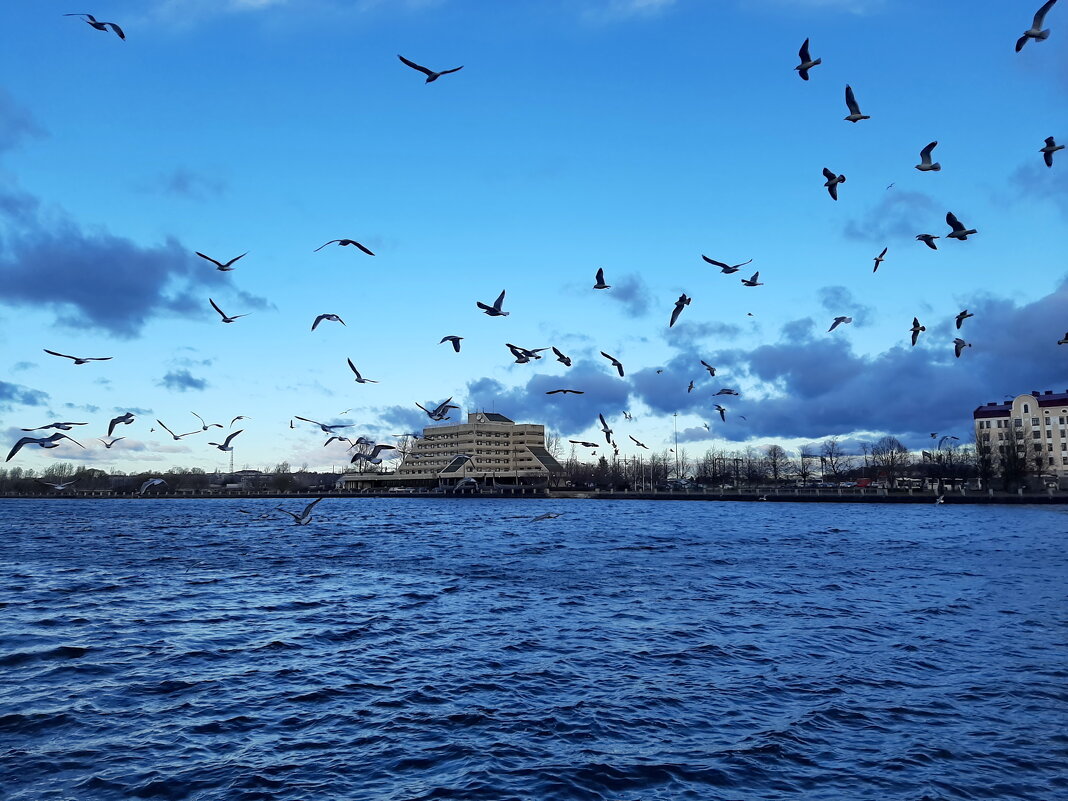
(59, 486)
(839, 321)
(342, 243)
(1036, 31)
(926, 165)
(709, 367)
(680, 304)
(227, 267)
(636, 442)
(854, 109)
(431, 76)
(928, 239)
(600, 280)
(152, 482)
(615, 362)
(583, 443)
(205, 426)
(57, 426)
(546, 516)
(880, 259)
(125, 419)
(564, 360)
(722, 412)
(176, 437)
(239, 417)
(109, 444)
(832, 182)
(495, 309)
(359, 378)
(304, 517)
(959, 345)
(226, 446)
(726, 268)
(726, 391)
(225, 319)
(455, 340)
(80, 359)
(1048, 151)
(332, 317)
(441, 411)
(964, 315)
(1063, 341)
(753, 281)
(523, 355)
(604, 427)
(806, 61)
(916, 329)
(372, 457)
(42, 442)
(103, 26)
(959, 231)
(325, 428)
(565, 392)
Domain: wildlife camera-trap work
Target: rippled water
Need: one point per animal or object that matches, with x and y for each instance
(412, 649)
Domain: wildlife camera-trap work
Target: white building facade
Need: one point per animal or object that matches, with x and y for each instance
(1035, 424)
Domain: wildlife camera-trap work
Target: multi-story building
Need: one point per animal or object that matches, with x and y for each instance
(1035, 425)
(489, 449)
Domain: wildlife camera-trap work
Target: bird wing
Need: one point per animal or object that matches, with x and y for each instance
(164, 427)
(884, 252)
(830, 176)
(332, 241)
(198, 417)
(803, 53)
(925, 154)
(500, 300)
(600, 275)
(215, 306)
(954, 223)
(675, 314)
(209, 258)
(235, 258)
(64, 355)
(353, 366)
(365, 250)
(318, 320)
(1021, 42)
(226, 442)
(286, 511)
(454, 69)
(603, 423)
(851, 100)
(714, 262)
(483, 306)
(115, 28)
(1040, 15)
(306, 420)
(310, 506)
(18, 446)
(415, 66)
(756, 275)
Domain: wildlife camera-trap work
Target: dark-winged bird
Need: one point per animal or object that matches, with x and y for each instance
(79, 359)
(926, 164)
(854, 109)
(680, 304)
(1048, 151)
(726, 268)
(103, 26)
(431, 76)
(880, 259)
(959, 231)
(964, 315)
(806, 61)
(342, 243)
(565, 392)
(600, 280)
(615, 363)
(221, 266)
(832, 182)
(455, 340)
(495, 309)
(916, 329)
(560, 357)
(1036, 31)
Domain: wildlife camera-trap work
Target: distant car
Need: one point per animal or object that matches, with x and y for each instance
(847, 484)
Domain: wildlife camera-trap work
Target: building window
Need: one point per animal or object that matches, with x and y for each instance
(1027, 408)
(1019, 422)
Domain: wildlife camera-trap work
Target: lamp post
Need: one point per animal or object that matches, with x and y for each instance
(675, 420)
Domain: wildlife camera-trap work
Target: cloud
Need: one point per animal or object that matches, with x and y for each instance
(697, 434)
(631, 291)
(82, 407)
(20, 367)
(16, 123)
(838, 301)
(185, 183)
(1037, 181)
(182, 381)
(686, 335)
(18, 395)
(900, 215)
(131, 410)
(403, 419)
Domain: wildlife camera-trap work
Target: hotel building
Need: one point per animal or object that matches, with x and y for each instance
(1036, 424)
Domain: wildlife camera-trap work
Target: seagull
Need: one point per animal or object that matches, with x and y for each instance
(600, 280)
(565, 392)
(627, 415)
(340, 439)
(177, 436)
(564, 360)
(225, 319)
(916, 329)
(109, 444)
(226, 446)
(239, 417)
(342, 243)
(832, 182)
(373, 456)
(455, 340)
(709, 367)
(636, 442)
(441, 411)
(753, 281)
(604, 427)
(726, 391)
(495, 309)
(523, 355)
(227, 267)
(152, 482)
(332, 317)
(125, 419)
(942, 441)
(928, 239)
(806, 62)
(206, 426)
(583, 443)
(680, 304)
(359, 378)
(1063, 341)
(959, 345)
(325, 428)
(103, 26)
(1036, 31)
(59, 487)
(304, 517)
(854, 109)
(722, 412)
(57, 426)
(964, 315)
(926, 165)
(726, 268)
(690, 388)
(959, 231)
(546, 516)
(42, 442)
(1050, 148)
(615, 362)
(706, 426)
(880, 259)
(940, 499)
(839, 321)
(431, 75)
(80, 359)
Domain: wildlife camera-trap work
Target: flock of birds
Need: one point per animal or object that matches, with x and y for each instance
(370, 451)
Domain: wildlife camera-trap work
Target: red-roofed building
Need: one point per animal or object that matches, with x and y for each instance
(1037, 424)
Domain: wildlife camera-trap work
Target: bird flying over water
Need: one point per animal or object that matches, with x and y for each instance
(839, 321)
(495, 309)
(916, 329)
(806, 61)
(1048, 151)
(227, 267)
(152, 482)
(726, 268)
(304, 517)
(226, 446)
(959, 345)
(359, 378)
(564, 360)
(1035, 31)
(680, 304)
(928, 239)
(854, 109)
(225, 319)
(600, 280)
(926, 164)
(332, 317)
(41, 442)
(60, 485)
(454, 340)
(104, 26)
(431, 75)
(880, 259)
(959, 231)
(615, 363)
(605, 429)
(964, 315)
(832, 182)
(343, 243)
(753, 281)
(79, 359)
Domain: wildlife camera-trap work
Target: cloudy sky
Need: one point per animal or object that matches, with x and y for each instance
(633, 135)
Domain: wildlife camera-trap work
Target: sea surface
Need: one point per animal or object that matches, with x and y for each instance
(403, 649)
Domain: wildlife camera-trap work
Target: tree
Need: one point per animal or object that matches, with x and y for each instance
(806, 457)
(834, 458)
(1017, 458)
(777, 462)
(891, 458)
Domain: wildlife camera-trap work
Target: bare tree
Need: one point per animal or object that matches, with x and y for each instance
(777, 462)
(834, 459)
(891, 458)
(806, 457)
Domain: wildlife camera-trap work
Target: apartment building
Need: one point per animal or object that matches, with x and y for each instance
(1036, 424)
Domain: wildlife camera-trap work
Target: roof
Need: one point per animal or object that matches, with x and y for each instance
(493, 417)
(1045, 399)
(546, 459)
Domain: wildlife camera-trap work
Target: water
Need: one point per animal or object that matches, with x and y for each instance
(405, 649)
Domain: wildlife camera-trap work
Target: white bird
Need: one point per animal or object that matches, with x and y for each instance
(304, 517)
(495, 309)
(226, 446)
(959, 231)
(225, 319)
(753, 281)
(359, 378)
(206, 426)
(928, 239)
(916, 329)
(325, 428)
(600, 280)
(109, 444)
(1036, 32)
(839, 321)
(560, 357)
(124, 419)
(57, 426)
(221, 266)
(152, 482)
(926, 164)
(59, 486)
(372, 457)
(343, 243)
(176, 437)
(615, 363)
(959, 345)
(806, 61)
(1048, 151)
(680, 304)
(726, 268)
(42, 442)
(104, 26)
(832, 182)
(431, 76)
(79, 359)
(880, 259)
(604, 428)
(332, 317)
(854, 109)
(455, 340)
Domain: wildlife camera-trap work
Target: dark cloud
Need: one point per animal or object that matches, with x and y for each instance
(631, 291)
(687, 335)
(185, 183)
(182, 381)
(19, 367)
(18, 395)
(697, 434)
(838, 301)
(404, 419)
(900, 215)
(16, 123)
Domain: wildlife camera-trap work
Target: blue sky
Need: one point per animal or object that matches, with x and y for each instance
(628, 135)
